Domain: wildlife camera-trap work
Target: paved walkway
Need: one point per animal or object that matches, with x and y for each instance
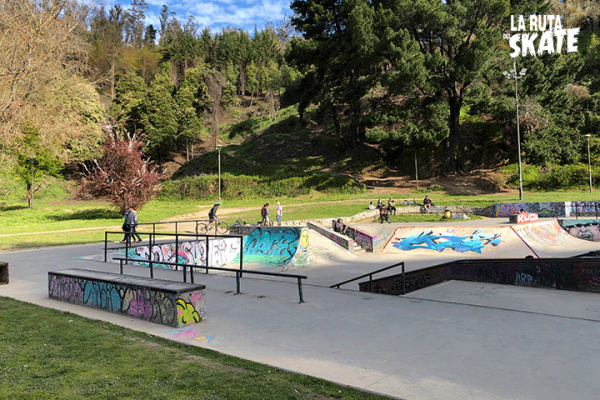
(456, 340)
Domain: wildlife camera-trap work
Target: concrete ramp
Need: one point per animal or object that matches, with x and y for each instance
(285, 247)
(463, 241)
(547, 239)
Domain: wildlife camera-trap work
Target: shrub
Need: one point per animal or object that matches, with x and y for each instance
(204, 187)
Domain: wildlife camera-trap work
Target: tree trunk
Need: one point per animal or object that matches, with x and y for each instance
(452, 152)
(29, 195)
(355, 125)
(112, 79)
(336, 122)
(242, 81)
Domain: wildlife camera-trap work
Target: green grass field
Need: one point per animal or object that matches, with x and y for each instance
(81, 222)
(49, 354)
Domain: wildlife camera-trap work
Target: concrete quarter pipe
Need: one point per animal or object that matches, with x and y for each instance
(540, 240)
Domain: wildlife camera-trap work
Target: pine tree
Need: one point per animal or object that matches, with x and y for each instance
(157, 118)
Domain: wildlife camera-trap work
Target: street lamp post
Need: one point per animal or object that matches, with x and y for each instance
(589, 160)
(31, 160)
(219, 149)
(516, 76)
(416, 171)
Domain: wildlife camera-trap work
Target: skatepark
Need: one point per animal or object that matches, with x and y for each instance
(454, 340)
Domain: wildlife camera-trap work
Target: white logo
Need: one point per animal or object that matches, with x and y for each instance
(552, 39)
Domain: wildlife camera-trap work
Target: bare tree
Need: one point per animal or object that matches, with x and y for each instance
(42, 49)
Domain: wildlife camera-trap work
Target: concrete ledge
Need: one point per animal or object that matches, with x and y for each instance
(343, 241)
(175, 304)
(363, 239)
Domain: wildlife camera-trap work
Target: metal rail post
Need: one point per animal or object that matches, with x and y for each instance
(403, 280)
(127, 247)
(241, 254)
(105, 246)
(300, 290)
(207, 254)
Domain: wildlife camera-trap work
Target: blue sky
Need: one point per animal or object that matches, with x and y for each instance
(218, 14)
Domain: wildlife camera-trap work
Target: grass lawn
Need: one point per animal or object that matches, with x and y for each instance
(49, 354)
(63, 222)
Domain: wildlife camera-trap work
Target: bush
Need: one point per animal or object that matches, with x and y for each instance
(205, 187)
(566, 177)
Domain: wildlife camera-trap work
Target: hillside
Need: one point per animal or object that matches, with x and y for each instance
(285, 147)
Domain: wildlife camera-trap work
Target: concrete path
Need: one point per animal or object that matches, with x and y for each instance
(456, 340)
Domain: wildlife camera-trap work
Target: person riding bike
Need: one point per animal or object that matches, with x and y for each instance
(212, 215)
(384, 215)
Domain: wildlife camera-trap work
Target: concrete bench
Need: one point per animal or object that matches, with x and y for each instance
(175, 304)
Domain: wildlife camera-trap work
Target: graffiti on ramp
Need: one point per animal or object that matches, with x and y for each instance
(473, 242)
(277, 246)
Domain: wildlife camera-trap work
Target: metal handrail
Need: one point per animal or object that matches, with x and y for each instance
(238, 273)
(370, 275)
(177, 236)
(577, 209)
(196, 221)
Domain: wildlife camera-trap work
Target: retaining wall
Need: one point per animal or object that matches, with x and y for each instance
(560, 273)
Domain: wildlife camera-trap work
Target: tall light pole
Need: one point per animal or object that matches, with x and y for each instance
(514, 75)
(31, 161)
(416, 171)
(219, 148)
(589, 160)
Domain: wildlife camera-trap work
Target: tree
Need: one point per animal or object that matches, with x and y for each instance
(106, 39)
(122, 175)
(157, 117)
(129, 94)
(341, 56)
(458, 40)
(134, 23)
(35, 162)
(188, 110)
(42, 51)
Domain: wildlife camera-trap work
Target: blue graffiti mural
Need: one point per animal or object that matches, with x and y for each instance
(272, 245)
(101, 295)
(461, 244)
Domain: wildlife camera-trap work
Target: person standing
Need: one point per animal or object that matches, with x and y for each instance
(391, 206)
(133, 223)
(264, 213)
(279, 213)
(126, 227)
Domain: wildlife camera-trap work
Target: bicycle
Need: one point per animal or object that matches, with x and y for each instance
(385, 217)
(203, 228)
